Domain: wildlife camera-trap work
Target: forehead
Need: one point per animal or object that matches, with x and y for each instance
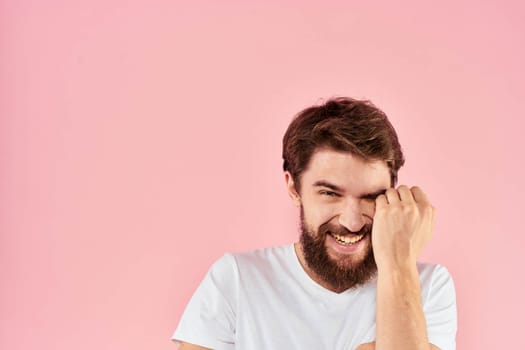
(346, 170)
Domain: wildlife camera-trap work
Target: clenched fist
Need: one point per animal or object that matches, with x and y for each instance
(403, 224)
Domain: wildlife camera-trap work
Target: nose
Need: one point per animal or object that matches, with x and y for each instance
(352, 215)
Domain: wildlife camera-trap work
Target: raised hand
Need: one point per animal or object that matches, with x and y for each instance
(403, 225)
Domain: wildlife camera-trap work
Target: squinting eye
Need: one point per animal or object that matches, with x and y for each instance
(328, 193)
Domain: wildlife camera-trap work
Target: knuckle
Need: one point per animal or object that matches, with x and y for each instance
(409, 208)
(396, 210)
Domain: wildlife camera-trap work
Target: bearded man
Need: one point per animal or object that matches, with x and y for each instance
(352, 281)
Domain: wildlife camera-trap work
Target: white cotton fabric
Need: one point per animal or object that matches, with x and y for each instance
(265, 300)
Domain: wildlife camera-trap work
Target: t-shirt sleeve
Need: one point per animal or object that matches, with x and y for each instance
(209, 317)
(440, 310)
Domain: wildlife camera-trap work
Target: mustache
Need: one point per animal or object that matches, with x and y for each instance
(341, 230)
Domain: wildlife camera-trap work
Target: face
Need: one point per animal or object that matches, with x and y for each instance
(337, 200)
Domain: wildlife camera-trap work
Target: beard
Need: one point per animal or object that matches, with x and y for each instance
(341, 274)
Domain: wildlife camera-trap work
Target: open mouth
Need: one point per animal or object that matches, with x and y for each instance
(347, 239)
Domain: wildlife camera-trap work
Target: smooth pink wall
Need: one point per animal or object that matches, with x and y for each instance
(141, 140)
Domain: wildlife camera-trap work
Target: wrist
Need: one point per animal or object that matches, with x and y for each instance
(397, 266)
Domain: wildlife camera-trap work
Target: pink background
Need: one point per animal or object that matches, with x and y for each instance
(140, 140)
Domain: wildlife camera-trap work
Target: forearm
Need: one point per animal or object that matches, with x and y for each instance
(400, 321)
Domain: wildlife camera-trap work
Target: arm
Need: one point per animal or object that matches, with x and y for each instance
(400, 321)
(403, 224)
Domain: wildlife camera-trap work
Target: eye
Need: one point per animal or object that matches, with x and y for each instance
(328, 193)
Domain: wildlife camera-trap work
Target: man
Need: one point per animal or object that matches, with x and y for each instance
(352, 281)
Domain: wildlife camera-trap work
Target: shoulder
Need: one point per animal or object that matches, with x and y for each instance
(263, 259)
(257, 258)
(260, 263)
(262, 256)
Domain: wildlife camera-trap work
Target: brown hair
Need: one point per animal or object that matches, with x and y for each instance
(342, 124)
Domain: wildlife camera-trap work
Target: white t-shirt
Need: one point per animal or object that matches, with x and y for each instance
(265, 300)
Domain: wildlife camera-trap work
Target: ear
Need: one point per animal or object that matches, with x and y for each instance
(290, 185)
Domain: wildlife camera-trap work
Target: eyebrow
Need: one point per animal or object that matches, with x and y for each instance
(374, 195)
(324, 183)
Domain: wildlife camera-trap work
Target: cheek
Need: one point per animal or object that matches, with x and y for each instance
(317, 215)
(368, 207)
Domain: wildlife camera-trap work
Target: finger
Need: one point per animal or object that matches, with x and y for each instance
(419, 196)
(381, 201)
(392, 196)
(405, 194)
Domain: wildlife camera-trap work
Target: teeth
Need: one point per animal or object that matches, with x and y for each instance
(347, 240)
